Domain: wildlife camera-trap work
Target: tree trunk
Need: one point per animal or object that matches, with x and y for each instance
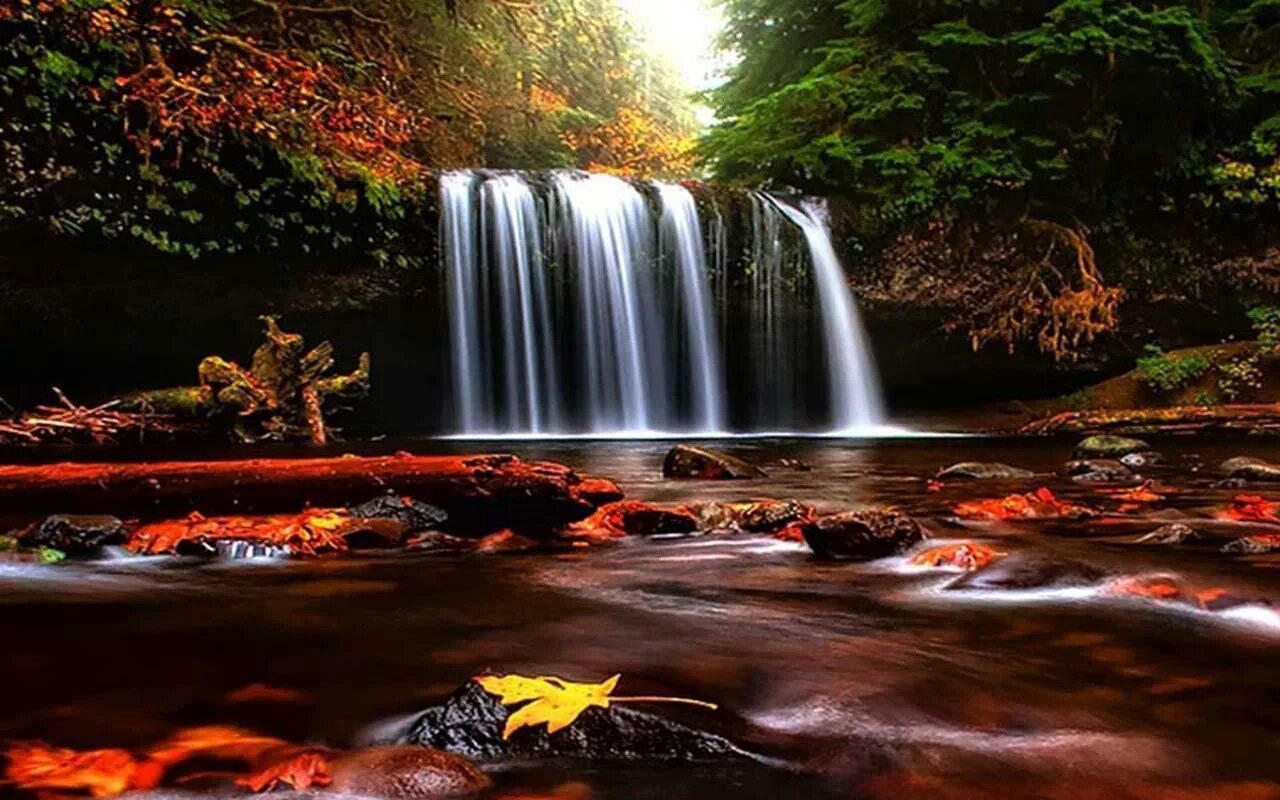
(480, 493)
(1179, 419)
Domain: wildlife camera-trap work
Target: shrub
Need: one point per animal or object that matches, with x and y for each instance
(1266, 323)
(1239, 376)
(1163, 372)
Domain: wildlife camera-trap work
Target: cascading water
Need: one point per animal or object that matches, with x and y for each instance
(583, 303)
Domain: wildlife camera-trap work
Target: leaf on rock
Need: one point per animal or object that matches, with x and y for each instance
(548, 700)
(1040, 504)
(967, 556)
(299, 772)
(1251, 508)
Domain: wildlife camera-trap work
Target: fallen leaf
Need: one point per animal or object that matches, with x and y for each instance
(1250, 508)
(299, 772)
(556, 702)
(217, 741)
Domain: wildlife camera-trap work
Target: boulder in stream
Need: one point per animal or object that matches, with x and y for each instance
(1030, 572)
(405, 772)
(687, 461)
(982, 471)
(1256, 545)
(74, 534)
(862, 535)
(1250, 469)
(1105, 446)
(752, 516)
(413, 515)
(470, 723)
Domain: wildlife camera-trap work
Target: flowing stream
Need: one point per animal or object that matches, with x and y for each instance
(585, 304)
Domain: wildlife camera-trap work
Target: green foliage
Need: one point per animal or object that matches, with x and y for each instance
(50, 555)
(8, 544)
(1165, 372)
(1266, 324)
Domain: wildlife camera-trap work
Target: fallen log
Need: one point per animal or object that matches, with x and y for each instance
(480, 493)
(1179, 419)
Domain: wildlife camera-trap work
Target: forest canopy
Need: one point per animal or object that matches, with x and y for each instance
(204, 127)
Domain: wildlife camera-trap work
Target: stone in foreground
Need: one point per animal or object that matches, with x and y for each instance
(74, 534)
(405, 772)
(1101, 470)
(1030, 572)
(1256, 545)
(415, 516)
(687, 461)
(1175, 533)
(1109, 447)
(982, 471)
(470, 722)
(862, 535)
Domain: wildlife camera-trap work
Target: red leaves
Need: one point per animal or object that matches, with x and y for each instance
(309, 533)
(1040, 504)
(1134, 499)
(966, 555)
(299, 772)
(1251, 508)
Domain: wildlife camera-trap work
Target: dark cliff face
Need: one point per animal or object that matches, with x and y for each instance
(97, 323)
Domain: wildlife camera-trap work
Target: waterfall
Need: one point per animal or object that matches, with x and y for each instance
(584, 303)
(680, 223)
(855, 387)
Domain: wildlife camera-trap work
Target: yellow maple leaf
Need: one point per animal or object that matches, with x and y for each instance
(556, 702)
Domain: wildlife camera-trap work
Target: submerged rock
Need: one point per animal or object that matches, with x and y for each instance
(1030, 572)
(405, 772)
(74, 534)
(632, 518)
(1256, 545)
(687, 461)
(1250, 469)
(470, 723)
(862, 535)
(413, 515)
(1139, 460)
(1175, 533)
(436, 542)
(1161, 587)
(506, 541)
(1104, 446)
(1102, 470)
(982, 471)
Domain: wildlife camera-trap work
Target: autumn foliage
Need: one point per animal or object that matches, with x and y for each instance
(1251, 508)
(1039, 504)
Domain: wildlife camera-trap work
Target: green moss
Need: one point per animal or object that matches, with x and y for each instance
(49, 555)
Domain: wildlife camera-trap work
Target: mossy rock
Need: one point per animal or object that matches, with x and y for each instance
(1104, 446)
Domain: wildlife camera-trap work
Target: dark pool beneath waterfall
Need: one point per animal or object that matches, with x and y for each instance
(856, 680)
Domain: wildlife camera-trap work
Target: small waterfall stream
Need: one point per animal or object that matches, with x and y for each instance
(586, 304)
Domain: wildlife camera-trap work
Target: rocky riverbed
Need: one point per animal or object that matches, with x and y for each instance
(889, 625)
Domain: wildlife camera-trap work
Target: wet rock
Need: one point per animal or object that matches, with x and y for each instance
(758, 516)
(862, 535)
(1174, 533)
(967, 556)
(1250, 469)
(410, 513)
(365, 534)
(632, 518)
(1140, 460)
(1109, 447)
(233, 549)
(74, 534)
(1030, 572)
(1161, 587)
(470, 723)
(599, 491)
(1103, 470)
(1256, 545)
(405, 772)
(686, 461)
(982, 471)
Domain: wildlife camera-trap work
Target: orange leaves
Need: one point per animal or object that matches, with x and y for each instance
(966, 555)
(555, 702)
(1040, 504)
(300, 772)
(101, 773)
(310, 533)
(37, 767)
(630, 144)
(1251, 508)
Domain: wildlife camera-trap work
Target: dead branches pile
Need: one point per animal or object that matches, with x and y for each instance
(70, 423)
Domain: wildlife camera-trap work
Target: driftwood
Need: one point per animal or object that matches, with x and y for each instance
(480, 493)
(1180, 419)
(70, 423)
